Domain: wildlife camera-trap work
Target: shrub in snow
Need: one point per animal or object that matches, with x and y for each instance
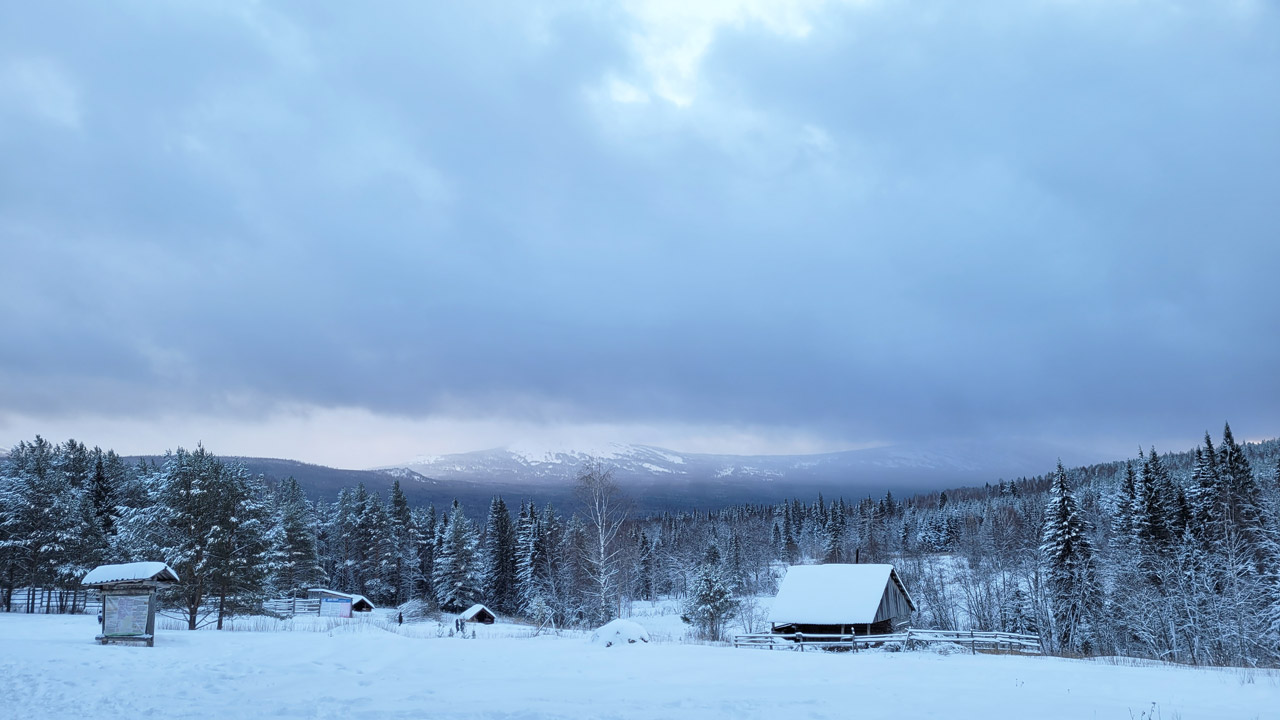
(417, 610)
(620, 632)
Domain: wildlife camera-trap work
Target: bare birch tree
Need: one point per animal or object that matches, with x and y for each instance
(604, 509)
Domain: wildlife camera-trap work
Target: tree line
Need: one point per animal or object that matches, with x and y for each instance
(1173, 556)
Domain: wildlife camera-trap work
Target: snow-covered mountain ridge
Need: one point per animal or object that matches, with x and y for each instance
(650, 466)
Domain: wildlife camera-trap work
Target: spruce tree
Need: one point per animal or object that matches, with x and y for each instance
(528, 545)
(833, 551)
(735, 566)
(402, 553)
(425, 536)
(457, 578)
(1152, 517)
(645, 568)
(1075, 593)
(1127, 501)
(1241, 511)
(103, 494)
(711, 604)
(383, 562)
(1205, 493)
(500, 559)
(294, 561)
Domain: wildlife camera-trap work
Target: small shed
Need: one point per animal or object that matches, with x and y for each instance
(359, 603)
(478, 613)
(129, 600)
(841, 599)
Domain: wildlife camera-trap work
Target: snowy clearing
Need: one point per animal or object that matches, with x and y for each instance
(52, 669)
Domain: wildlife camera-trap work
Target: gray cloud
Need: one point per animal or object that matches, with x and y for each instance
(1052, 221)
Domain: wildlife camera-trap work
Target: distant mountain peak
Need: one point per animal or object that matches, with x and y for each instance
(644, 467)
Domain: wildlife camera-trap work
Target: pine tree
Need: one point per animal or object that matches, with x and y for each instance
(238, 545)
(188, 500)
(1075, 593)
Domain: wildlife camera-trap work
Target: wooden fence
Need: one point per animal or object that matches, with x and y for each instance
(975, 641)
(286, 607)
(54, 600)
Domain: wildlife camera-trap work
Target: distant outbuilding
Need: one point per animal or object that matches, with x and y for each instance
(478, 613)
(129, 600)
(359, 603)
(841, 600)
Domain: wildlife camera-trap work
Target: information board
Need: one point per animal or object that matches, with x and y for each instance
(335, 607)
(125, 615)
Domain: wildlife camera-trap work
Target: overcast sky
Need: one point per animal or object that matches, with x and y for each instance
(355, 232)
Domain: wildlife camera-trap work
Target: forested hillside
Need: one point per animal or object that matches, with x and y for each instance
(1170, 556)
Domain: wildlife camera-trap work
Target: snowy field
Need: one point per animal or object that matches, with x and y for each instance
(366, 668)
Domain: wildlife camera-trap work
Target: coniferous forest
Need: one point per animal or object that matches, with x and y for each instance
(1166, 556)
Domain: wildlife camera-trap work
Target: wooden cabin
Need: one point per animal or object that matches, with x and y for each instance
(478, 613)
(359, 603)
(841, 600)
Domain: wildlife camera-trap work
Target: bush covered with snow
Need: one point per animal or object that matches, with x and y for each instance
(417, 610)
(620, 632)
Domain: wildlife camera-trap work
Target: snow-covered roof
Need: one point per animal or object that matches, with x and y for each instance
(470, 612)
(130, 572)
(833, 594)
(355, 599)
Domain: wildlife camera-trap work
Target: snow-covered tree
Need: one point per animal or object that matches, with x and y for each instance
(1074, 590)
(711, 603)
(500, 559)
(294, 563)
(238, 545)
(604, 511)
(457, 573)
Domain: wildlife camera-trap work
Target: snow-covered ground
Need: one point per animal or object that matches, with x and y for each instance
(50, 668)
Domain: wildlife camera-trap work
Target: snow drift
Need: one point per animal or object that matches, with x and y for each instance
(620, 632)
